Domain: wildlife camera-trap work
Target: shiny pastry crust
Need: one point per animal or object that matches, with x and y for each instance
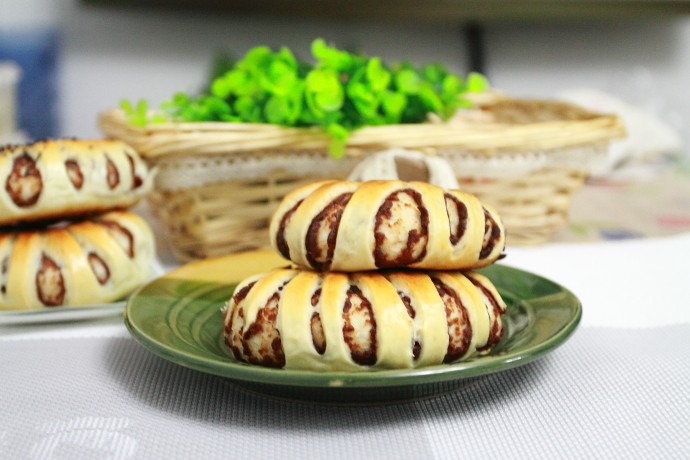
(353, 226)
(53, 179)
(83, 263)
(299, 319)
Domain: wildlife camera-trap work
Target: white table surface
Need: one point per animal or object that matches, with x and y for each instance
(619, 388)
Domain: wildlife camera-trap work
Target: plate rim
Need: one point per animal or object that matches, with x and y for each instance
(61, 314)
(244, 372)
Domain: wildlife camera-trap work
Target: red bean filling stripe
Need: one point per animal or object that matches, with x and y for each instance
(318, 337)
(99, 268)
(5, 267)
(112, 174)
(496, 325)
(460, 209)
(459, 327)
(414, 237)
(50, 285)
(238, 297)
(330, 216)
(24, 184)
(136, 180)
(122, 236)
(416, 346)
(492, 233)
(363, 353)
(74, 173)
(281, 242)
(265, 325)
(230, 339)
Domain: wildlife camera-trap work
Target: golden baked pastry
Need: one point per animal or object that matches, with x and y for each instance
(300, 319)
(53, 179)
(81, 263)
(354, 226)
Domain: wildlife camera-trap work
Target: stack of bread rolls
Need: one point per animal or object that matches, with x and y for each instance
(382, 279)
(67, 237)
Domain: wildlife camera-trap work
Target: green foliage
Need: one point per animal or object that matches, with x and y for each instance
(340, 92)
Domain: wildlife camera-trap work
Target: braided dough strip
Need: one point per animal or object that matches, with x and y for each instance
(353, 226)
(59, 178)
(299, 319)
(83, 263)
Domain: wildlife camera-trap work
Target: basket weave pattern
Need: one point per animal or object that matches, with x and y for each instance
(218, 183)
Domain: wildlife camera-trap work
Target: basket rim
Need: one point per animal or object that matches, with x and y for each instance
(484, 138)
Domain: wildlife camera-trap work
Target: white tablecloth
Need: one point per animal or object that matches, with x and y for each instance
(619, 388)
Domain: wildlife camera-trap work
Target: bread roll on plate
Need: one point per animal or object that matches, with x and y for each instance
(54, 179)
(354, 226)
(301, 319)
(74, 264)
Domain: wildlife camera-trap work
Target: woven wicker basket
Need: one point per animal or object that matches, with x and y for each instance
(218, 183)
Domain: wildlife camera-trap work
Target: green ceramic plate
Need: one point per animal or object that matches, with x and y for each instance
(178, 317)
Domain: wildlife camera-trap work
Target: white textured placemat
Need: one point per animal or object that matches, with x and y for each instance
(606, 393)
(629, 283)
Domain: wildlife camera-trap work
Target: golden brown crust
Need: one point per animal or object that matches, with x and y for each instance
(352, 226)
(54, 179)
(381, 320)
(81, 263)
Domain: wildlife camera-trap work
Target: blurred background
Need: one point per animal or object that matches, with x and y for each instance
(64, 62)
(79, 57)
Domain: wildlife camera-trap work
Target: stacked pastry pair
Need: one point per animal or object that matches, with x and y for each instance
(382, 279)
(66, 236)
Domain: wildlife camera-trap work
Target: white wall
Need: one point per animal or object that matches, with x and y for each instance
(109, 54)
(645, 63)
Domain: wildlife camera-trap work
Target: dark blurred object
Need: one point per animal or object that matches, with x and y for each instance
(429, 10)
(36, 54)
(470, 15)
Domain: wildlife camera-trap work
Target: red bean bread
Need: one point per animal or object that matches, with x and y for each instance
(301, 319)
(54, 179)
(353, 226)
(80, 263)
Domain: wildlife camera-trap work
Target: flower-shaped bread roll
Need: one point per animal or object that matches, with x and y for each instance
(355, 226)
(390, 319)
(55, 179)
(74, 264)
